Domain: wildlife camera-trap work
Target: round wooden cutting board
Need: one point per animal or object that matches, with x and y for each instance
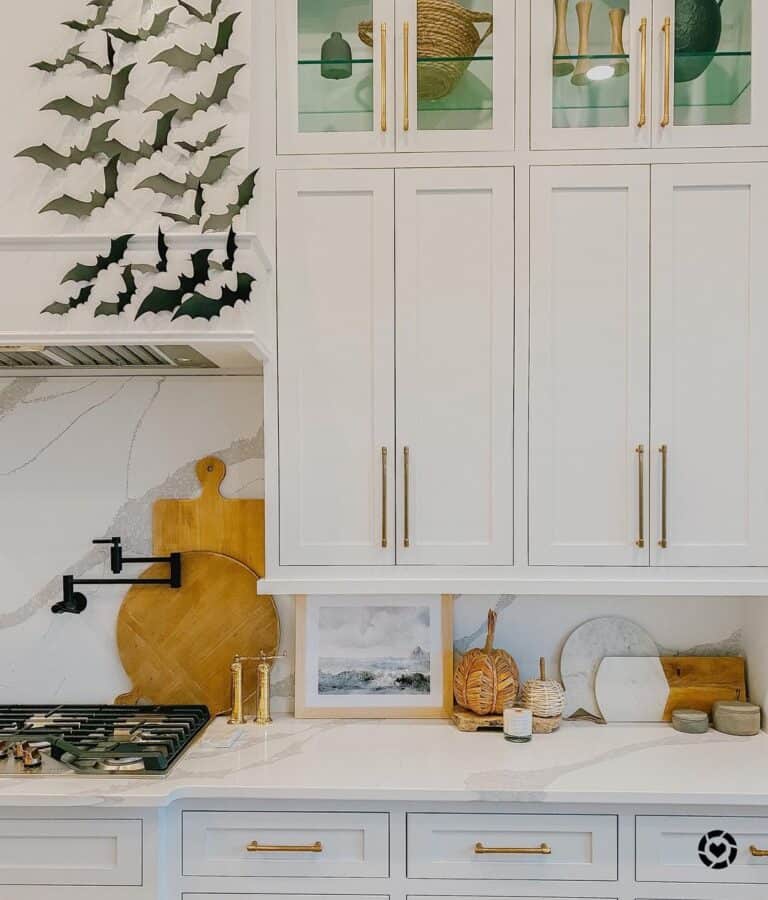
(177, 645)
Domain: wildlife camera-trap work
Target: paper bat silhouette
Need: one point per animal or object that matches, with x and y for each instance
(207, 17)
(123, 297)
(108, 66)
(244, 196)
(169, 299)
(80, 209)
(66, 106)
(210, 140)
(178, 58)
(103, 7)
(61, 309)
(158, 26)
(83, 272)
(229, 262)
(162, 251)
(100, 144)
(194, 219)
(71, 56)
(185, 109)
(200, 306)
(162, 184)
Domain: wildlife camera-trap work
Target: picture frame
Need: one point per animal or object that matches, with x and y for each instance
(374, 657)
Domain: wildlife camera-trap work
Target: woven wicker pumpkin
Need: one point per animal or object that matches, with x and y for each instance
(545, 698)
(486, 680)
(446, 32)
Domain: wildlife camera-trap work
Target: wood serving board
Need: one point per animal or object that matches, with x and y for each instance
(211, 522)
(649, 689)
(466, 720)
(177, 645)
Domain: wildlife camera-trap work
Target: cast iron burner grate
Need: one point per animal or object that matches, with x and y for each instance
(95, 735)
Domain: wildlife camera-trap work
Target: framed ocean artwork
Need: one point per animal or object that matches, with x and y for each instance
(374, 657)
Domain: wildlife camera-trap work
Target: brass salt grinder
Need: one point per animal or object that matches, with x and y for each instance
(263, 670)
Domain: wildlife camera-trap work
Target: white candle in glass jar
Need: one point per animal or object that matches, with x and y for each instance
(518, 724)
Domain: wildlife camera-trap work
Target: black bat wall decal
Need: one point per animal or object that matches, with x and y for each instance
(178, 58)
(229, 262)
(194, 219)
(204, 17)
(103, 7)
(80, 209)
(100, 144)
(210, 140)
(244, 196)
(185, 109)
(66, 106)
(158, 26)
(200, 306)
(83, 272)
(169, 299)
(124, 297)
(163, 184)
(60, 309)
(70, 57)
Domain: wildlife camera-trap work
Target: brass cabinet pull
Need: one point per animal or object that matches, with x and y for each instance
(667, 30)
(755, 851)
(383, 66)
(384, 498)
(541, 850)
(640, 496)
(642, 121)
(256, 847)
(406, 497)
(406, 76)
(663, 543)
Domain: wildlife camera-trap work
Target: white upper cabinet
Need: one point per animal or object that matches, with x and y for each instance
(455, 365)
(709, 364)
(359, 76)
(641, 73)
(590, 74)
(336, 376)
(589, 385)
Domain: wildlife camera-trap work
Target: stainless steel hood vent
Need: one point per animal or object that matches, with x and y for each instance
(102, 356)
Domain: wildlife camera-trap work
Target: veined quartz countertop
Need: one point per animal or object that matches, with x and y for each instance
(426, 761)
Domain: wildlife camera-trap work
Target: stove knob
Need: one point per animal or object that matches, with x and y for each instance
(32, 758)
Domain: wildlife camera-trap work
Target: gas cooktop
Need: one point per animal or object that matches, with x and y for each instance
(96, 740)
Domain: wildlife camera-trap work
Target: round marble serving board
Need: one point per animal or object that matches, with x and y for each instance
(586, 648)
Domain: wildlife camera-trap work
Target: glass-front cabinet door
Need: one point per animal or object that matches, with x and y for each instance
(590, 73)
(456, 74)
(711, 87)
(336, 76)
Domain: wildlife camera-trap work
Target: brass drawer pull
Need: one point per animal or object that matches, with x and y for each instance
(406, 496)
(384, 499)
(256, 847)
(664, 450)
(643, 118)
(541, 850)
(640, 542)
(383, 65)
(755, 851)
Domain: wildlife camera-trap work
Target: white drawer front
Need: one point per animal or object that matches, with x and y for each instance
(71, 852)
(708, 850)
(583, 848)
(353, 845)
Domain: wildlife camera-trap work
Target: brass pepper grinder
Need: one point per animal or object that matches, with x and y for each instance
(236, 674)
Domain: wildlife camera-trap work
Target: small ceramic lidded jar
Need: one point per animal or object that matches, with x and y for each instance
(518, 724)
(734, 717)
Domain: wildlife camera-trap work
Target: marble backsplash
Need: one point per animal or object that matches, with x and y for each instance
(86, 457)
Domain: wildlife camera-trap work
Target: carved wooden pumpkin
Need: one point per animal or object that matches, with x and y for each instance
(486, 680)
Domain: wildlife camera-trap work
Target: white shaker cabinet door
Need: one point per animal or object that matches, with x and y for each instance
(589, 382)
(336, 373)
(710, 365)
(455, 366)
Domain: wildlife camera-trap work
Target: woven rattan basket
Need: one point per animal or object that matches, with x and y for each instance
(447, 34)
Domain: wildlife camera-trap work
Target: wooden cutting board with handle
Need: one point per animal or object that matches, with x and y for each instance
(177, 645)
(211, 522)
(649, 689)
